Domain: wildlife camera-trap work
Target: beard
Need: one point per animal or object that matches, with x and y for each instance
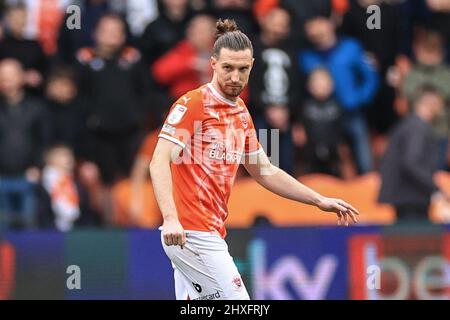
(231, 91)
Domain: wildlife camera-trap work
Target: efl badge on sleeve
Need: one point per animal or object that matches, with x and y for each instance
(176, 114)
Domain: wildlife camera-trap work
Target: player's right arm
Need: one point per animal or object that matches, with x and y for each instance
(160, 172)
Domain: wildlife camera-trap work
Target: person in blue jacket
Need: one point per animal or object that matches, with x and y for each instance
(356, 81)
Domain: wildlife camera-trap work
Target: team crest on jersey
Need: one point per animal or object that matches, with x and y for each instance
(237, 282)
(244, 120)
(176, 114)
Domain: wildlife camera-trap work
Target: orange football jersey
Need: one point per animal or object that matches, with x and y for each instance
(214, 133)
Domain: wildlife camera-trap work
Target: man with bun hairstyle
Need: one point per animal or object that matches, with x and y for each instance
(205, 137)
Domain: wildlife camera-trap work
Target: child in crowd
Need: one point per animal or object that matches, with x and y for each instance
(320, 119)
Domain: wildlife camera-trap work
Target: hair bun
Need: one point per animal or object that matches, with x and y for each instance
(224, 26)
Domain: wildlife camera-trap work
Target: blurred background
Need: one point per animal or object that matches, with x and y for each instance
(359, 96)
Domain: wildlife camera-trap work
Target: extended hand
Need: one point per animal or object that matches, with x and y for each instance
(341, 208)
(173, 233)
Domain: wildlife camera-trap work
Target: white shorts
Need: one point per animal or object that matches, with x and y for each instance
(204, 269)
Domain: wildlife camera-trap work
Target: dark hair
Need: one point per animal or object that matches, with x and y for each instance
(61, 72)
(429, 39)
(229, 36)
(425, 89)
(113, 16)
(15, 6)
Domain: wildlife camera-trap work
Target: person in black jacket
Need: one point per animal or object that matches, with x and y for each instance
(116, 89)
(28, 52)
(66, 109)
(320, 118)
(411, 159)
(166, 31)
(274, 83)
(24, 133)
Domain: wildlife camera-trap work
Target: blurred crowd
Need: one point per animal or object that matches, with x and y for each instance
(80, 107)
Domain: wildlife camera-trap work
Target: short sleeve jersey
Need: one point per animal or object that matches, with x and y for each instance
(214, 133)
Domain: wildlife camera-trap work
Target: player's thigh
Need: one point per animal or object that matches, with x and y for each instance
(191, 272)
(222, 268)
(181, 292)
(214, 254)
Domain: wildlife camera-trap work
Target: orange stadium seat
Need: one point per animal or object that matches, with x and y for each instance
(249, 200)
(149, 217)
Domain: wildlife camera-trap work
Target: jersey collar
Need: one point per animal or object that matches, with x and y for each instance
(220, 97)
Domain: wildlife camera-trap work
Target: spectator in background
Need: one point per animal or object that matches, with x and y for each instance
(71, 40)
(116, 87)
(24, 133)
(382, 46)
(354, 78)
(275, 84)
(159, 37)
(63, 202)
(238, 10)
(66, 109)
(434, 14)
(44, 20)
(440, 21)
(138, 13)
(300, 11)
(320, 118)
(411, 159)
(58, 181)
(187, 65)
(28, 52)
(430, 68)
(166, 30)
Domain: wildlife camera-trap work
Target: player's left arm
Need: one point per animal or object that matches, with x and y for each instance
(279, 182)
